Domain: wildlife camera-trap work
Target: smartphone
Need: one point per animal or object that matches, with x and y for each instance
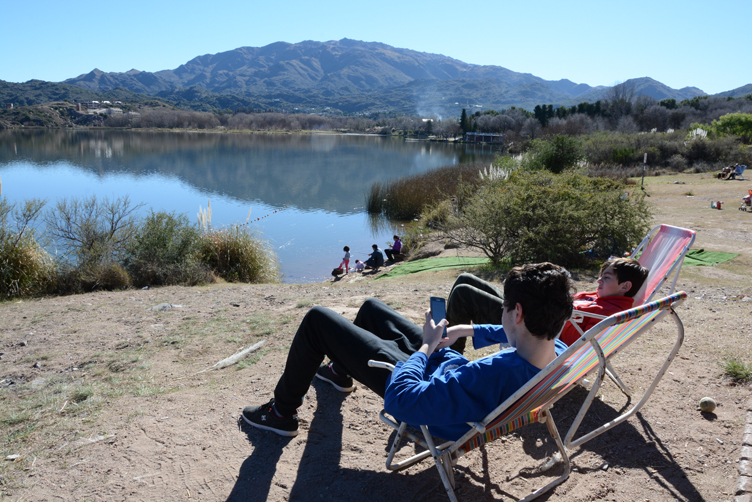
(438, 311)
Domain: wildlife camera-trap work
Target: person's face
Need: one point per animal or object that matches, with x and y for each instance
(608, 284)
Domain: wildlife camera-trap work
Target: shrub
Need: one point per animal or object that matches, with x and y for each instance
(25, 267)
(736, 369)
(71, 280)
(236, 255)
(562, 152)
(91, 231)
(677, 163)
(165, 251)
(567, 219)
(623, 156)
(737, 124)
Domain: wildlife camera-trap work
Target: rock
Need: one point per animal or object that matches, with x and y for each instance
(12, 458)
(165, 306)
(24, 343)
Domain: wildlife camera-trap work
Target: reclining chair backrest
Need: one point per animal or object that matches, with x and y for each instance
(662, 256)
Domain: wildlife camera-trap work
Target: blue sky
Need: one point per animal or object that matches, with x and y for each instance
(688, 43)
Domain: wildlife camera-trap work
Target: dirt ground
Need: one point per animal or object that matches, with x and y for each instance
(105, 398)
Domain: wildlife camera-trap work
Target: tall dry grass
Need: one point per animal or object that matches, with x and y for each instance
(405, 198)
(237, 255)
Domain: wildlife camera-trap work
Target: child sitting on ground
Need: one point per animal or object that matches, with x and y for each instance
(359, 266)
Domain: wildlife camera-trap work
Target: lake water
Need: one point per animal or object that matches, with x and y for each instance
(316, 183)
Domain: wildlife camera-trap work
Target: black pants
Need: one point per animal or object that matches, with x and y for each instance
(390, 254)
(378, 333)
(473, 300)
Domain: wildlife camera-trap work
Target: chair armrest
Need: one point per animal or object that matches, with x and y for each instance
(380, 364)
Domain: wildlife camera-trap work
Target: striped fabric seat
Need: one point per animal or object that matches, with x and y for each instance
(581, 362)
(663, 256)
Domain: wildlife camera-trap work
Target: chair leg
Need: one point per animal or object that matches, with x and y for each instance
(615, 378)
(626, 415)
(443, 463)
(403, 432)
(552, 429)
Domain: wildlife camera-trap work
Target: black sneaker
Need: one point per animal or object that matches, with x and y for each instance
(264, 417)
(342, 383)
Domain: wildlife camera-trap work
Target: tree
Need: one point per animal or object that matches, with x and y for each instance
(93, 232)
(464, 124)
(541, 114)
(737, 124)
(618, 101)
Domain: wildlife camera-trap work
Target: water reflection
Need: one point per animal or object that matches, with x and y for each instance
(321, 178)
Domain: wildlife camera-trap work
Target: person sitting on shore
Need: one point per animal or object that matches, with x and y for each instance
(431, 383)
(473, 300)
(359, 266)
(396, 248)
(376, 259)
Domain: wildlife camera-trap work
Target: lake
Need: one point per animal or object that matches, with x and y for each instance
(307, 189)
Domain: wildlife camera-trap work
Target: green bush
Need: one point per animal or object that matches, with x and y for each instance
(556, 155)
(165, 251)
(623, 156)
(736, 124)
(568, 219)
(236, 255)
(25, 267)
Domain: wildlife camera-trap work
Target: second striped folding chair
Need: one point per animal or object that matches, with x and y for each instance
(662, 252)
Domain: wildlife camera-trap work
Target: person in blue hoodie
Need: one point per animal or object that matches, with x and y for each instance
(432, 384)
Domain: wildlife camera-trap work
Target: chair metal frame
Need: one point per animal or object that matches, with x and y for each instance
(533, 402)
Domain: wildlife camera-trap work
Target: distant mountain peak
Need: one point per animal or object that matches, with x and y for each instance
(352, 76)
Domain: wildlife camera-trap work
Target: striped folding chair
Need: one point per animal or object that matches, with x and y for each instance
(662, 252)
(533, 402)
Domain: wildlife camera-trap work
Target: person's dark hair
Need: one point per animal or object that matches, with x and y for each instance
(545, 292)
(627, 269)
(375, 246)
(346, 249)
(395, 237)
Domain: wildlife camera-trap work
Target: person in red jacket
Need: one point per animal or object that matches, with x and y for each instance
(473, 300)
(620, 280)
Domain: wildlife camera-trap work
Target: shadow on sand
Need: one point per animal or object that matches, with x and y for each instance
(321, 477)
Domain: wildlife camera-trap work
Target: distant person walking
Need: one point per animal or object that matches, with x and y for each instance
(346, 259)
(396, 248)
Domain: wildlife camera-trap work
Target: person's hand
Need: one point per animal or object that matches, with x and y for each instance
(432, 332)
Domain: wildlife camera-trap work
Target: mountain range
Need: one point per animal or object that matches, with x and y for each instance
(350, 76)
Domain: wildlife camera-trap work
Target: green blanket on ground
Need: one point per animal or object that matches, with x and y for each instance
(694, 257)
(697, 257)
(413, 267)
